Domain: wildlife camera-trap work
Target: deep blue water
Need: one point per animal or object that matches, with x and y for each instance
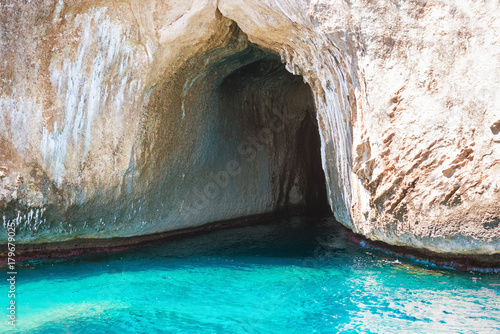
(298, 275)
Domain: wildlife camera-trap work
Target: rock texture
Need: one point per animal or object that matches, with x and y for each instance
(117, 117)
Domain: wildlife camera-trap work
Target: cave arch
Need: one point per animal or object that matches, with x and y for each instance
(252, 143)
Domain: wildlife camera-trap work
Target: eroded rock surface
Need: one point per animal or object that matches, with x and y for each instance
(115, 116)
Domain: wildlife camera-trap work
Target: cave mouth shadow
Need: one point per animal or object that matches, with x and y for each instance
(277, 114)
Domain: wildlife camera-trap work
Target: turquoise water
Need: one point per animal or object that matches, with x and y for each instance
(298, 275)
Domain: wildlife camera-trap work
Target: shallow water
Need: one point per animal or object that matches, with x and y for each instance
(298, 275)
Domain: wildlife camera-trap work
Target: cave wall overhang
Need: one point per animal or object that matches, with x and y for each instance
(154, 139)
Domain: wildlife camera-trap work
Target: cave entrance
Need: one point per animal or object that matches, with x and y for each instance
(250, 141)
(277, 112)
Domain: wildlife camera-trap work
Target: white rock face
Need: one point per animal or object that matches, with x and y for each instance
(426, 155)
(106, 104)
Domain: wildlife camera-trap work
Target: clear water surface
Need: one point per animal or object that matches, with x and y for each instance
(297, 275)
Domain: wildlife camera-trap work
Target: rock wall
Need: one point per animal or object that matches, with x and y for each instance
(114, 112)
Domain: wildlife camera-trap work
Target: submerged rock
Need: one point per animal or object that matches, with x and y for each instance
(131, 119)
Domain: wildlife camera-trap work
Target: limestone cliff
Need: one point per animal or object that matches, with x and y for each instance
(137, 117)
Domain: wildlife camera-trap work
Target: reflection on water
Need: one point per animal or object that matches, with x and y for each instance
(297, 275)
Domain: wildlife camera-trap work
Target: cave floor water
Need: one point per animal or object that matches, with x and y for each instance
(295, 275)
